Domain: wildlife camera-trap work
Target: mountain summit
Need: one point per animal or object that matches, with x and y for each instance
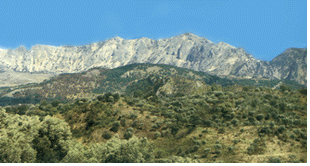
(185, 50)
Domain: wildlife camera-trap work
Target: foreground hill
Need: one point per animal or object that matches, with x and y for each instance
(186, 51)
(233, 124)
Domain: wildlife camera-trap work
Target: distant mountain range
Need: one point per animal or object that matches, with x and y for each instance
(186, 51)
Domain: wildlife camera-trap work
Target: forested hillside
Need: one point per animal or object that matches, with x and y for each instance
(161, 123)
(124, 80)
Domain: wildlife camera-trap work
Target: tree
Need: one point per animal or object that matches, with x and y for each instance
(53, 140)
(134, 150)
(283, 88)
(138, 93)
(55, 103)
(16, 135)
(78, 154)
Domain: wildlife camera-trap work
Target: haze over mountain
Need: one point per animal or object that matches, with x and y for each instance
(186, 50)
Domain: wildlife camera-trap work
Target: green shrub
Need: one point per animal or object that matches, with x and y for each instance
(128, 135)
(235, 122)
(115, 126)
(218, 152)
(281, 129)
(207, 151)
(259, 117)
(157, 134)
(106, 135)
(218, 146)
(53, 141)
(303, 91)
(116, 150)
(251, 113)
(236, 141)
(274, 160)
(123, 122)
(267, 117)
(231, 149)
(222, 130)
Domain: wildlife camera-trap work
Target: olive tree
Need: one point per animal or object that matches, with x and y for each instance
(16, 136)
(52, 142)
(134, 150)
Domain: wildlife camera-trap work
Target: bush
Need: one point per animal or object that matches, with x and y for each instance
(259, 117)
(218, 152)
(222, 130)
(106, 135)
(236, 141)
(267, 117)
(128, 135)
(123, 122)
(231, 149)
(116, 150)
(303, 91)
(16, 136)
(251, 113)
(218, 146)
(256, 147)
(234, 122)
(157, 134)
(207, 151)
(55, 103)
(53, 141)
(274, 160)
(115, 126)
(281, 129)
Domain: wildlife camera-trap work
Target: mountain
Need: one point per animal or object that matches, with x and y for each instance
(292, 65)
(186, 51)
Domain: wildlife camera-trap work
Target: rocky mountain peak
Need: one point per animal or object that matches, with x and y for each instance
(186, 50)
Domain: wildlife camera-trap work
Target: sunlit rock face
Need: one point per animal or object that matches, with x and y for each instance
(186, 50)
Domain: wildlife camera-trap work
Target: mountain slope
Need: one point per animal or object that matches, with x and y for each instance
(150, 79)
(186, 51)
(292, 65)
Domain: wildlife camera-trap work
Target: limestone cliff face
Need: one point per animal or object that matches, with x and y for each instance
(186, 50)
(291, 65)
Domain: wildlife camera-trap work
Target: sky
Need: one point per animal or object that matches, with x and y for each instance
(264, 28)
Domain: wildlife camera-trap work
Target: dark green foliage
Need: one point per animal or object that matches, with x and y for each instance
(259, 117)
(246, 88)
(274, 160)
(106, 135)
(264, 131)
(52, 142)
(55, 103)
(267, 117)
(257, 147)
(115, 126)
(284, 88)
(138, 93)
(109, 97)
(281, 129)
(235, 122)
(221, 130)
(303, 91)
(21, 110)
(128, 135)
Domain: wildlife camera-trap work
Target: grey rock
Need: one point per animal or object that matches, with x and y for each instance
(186, 50)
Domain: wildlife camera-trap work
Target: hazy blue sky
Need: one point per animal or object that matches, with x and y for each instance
(265, 28)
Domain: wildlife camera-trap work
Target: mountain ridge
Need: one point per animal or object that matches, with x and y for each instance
(186, 50)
